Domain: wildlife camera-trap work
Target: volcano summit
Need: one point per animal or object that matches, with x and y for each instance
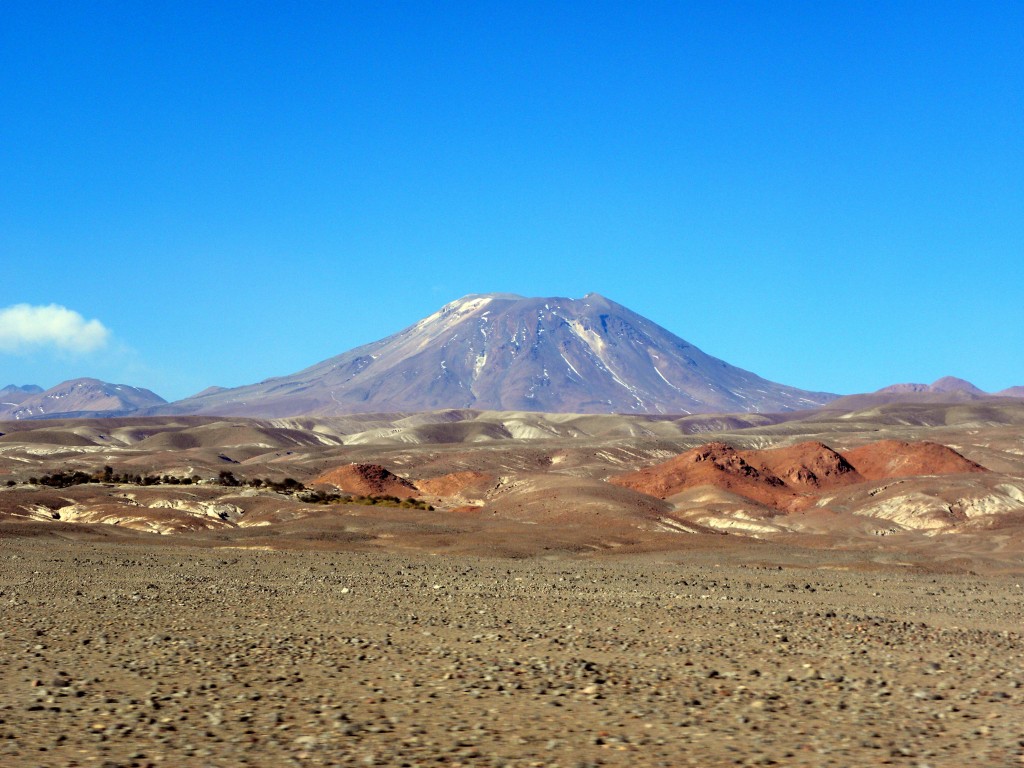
(506, 352)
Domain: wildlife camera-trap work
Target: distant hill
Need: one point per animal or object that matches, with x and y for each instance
(78, 397)
(948, 389)
(507, 352)
(943, 386)
(12, 394)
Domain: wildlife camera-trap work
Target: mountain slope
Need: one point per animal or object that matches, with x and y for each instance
(81, 397)
(506, 352)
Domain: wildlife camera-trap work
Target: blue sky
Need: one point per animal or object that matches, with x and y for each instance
(828, 194)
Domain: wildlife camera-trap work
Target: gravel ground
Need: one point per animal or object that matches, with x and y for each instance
(125, 655)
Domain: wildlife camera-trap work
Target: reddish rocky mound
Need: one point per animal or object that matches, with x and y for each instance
(810, 466)
(457, 483)
(714, 464)
(895, 458)
(791, 478)
(368, 480)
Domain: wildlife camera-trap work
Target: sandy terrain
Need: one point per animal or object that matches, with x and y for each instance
(122, 654)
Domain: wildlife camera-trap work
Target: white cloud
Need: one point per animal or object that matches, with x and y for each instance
(24, 326)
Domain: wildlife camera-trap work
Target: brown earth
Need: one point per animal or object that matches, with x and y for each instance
(175, 653)
(457, 484)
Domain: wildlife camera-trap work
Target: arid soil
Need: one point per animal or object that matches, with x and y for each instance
(932, 482)
(129, 654)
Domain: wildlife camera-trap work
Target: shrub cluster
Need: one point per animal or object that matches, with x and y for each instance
(288, 485)
(67, 478)
(322, 497)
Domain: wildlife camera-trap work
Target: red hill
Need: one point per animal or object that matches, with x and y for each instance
(792, 478)
(895, 458)
(368, 480)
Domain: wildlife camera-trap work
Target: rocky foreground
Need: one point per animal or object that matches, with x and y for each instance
(122, 655)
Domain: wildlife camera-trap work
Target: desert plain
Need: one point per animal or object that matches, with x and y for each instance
(838, 587)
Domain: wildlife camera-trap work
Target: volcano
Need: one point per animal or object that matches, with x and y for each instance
(507, 352)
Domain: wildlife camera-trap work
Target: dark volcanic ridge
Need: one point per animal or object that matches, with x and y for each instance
(506, 352)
